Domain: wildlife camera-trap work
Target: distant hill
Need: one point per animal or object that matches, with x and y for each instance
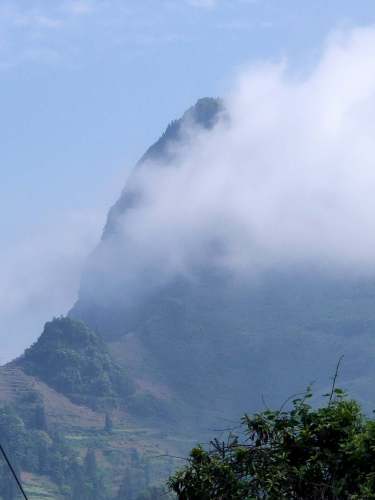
(74, 361)
(76, 427)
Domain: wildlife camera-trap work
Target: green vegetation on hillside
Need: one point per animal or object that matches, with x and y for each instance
(74, 360)
(302, 454)
(47, 454)
(99, 464)
(62, 450)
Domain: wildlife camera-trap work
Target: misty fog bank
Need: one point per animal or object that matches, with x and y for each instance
(284, 180)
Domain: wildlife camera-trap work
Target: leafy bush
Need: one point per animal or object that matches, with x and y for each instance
(303, 453)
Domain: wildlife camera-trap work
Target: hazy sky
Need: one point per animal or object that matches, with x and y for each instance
(86, 86)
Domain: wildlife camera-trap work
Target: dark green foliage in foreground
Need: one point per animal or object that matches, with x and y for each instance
(304, 453)
(73, 359)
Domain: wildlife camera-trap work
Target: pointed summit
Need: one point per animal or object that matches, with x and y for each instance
(204, 114)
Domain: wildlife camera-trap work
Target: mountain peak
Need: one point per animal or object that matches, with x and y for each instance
(204, 114)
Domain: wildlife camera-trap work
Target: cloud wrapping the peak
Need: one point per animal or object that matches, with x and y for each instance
(287, 181)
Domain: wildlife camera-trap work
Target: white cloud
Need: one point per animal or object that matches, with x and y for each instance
(290, 181)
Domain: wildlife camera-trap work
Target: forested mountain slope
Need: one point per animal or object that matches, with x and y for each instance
(154, 354)
(206, 336)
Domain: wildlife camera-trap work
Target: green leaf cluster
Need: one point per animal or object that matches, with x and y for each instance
(300, 453)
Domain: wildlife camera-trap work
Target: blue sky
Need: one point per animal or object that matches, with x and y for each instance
(86, 86)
